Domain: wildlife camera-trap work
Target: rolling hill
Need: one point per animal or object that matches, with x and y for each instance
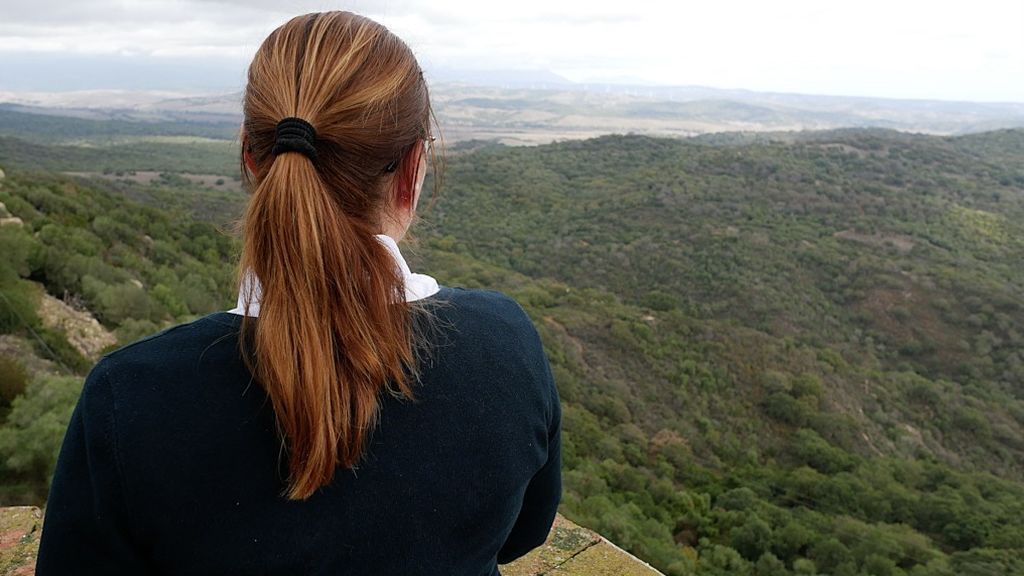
(784, 354)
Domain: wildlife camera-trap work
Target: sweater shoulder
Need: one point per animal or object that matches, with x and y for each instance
(486, 302)
(168, 358)
(180, 337)
(491, 311)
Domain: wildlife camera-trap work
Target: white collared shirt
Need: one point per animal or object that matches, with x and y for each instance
(417, 286)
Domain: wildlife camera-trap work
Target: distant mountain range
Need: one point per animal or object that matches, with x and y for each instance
(534, 107)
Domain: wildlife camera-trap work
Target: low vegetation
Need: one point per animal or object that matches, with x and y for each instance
(776, 356)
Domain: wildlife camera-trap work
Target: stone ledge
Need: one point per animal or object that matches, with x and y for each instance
(570, 550)
(19, 540)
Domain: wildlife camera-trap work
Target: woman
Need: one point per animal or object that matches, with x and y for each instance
(349, 416)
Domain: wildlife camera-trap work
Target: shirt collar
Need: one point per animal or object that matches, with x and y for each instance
(417, 286)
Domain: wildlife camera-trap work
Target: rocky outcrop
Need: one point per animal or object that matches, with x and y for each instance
(82, 331)
(6, 218)
(19, 347)
(570, 550)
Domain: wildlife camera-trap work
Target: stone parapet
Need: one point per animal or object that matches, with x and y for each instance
(570, 550)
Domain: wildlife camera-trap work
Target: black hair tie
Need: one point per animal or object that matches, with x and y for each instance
(295, 135)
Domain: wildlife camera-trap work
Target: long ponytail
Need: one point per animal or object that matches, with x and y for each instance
(333, 329)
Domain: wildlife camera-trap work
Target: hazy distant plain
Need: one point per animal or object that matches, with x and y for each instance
(538, 114)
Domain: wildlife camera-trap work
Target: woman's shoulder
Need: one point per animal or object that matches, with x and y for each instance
(179, 337)
(484, 299)
(168, 359)
(485, 306)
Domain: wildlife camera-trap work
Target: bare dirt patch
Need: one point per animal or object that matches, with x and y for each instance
(901, 243)
(906, 314)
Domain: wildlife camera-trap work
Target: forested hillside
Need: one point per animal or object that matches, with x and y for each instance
(792, 354)
(829, 327)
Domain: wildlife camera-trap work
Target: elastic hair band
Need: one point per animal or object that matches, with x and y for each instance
(295, 135)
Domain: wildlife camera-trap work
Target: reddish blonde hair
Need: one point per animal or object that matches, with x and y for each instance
(333, 328)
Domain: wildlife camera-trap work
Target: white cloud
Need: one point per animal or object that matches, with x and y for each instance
(910, 48)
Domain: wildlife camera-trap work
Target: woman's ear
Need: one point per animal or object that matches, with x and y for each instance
(421, 173)
(409, 178)
(247, 153)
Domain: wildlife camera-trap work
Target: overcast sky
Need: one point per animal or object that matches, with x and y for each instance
(935, 49)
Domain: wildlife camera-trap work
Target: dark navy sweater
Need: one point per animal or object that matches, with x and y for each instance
(171, 463)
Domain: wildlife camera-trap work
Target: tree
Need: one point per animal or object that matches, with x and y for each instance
(753, 538)
(13, 380)
(32, 435)
(804, 567)
(717, 560)
(769, 565)
(792, 540)
(877, 565)
(829, 554)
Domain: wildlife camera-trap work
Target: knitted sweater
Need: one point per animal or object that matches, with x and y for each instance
(172, 464)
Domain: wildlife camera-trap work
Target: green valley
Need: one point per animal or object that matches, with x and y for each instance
(793, 353)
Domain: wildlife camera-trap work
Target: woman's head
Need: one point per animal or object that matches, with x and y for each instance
(361, 89)
(333, 330)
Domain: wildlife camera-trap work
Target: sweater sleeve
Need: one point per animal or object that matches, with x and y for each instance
(86, 529)
(540, 501)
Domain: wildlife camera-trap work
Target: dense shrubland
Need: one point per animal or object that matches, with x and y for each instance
(799, 357)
